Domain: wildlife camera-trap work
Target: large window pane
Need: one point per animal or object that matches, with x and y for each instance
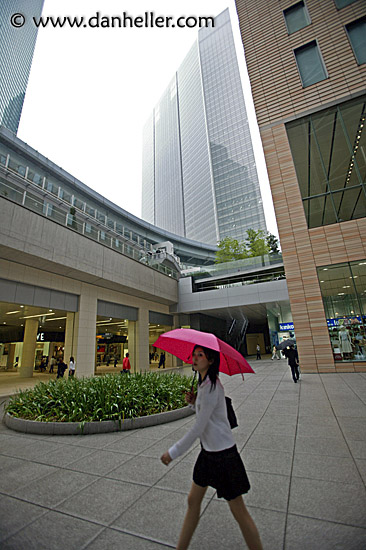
(343, 291)
(327, 149)
(343, 3)
(357, 36)
(296, 17)
(310, 64)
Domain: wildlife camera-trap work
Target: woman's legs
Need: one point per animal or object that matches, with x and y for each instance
(192, 516)
(246, 523)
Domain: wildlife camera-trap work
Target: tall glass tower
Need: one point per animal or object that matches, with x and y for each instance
(199, 177)
(16, 53)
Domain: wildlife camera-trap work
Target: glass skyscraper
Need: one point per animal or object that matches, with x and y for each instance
(199, 177)
(16, 53)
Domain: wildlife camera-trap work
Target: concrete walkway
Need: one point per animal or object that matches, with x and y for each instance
(304, 447)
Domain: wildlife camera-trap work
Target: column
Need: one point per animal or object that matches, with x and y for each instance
(70, 337)
(84, 341)
(29, 348)
(138, 342)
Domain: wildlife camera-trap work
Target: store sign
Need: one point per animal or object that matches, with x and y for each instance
(287, 326)
(40, 337)
(346, 321)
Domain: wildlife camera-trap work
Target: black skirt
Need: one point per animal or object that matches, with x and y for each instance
(222, 470)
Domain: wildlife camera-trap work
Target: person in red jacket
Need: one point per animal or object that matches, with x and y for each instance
(126, 365)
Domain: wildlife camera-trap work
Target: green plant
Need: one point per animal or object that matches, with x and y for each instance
(110, 397)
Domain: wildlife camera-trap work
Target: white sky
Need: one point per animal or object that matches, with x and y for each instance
(91, 91)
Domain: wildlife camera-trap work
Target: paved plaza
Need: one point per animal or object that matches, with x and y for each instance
(304, 447)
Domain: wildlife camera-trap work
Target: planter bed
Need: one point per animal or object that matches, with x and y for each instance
(78, 428)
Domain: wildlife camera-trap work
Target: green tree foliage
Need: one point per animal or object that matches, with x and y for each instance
(273, 244)
(230, 250)
(256, 243)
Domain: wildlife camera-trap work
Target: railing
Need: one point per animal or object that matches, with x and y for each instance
(246, 264)
(58, 207)
(252, 279)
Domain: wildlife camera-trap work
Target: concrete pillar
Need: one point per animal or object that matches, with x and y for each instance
(70, 337)
(138, 342)
(11, 356)
(29, 348)
(84, 333)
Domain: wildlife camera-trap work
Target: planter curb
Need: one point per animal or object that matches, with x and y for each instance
(106, 426)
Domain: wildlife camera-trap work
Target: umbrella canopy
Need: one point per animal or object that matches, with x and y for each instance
(181, 341)
(285, 343)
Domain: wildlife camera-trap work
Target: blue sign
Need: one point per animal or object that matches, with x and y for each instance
(286, 326)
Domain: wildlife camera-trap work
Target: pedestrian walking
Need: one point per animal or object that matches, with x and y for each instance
(71, 367)
(293, 361)
(258, 351)
(61, 367)
(274, 353)
(53, 363)
(126, 365)
(219, 464)
(162, 360)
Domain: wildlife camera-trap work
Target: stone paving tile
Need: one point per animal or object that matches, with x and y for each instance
(309, 534)
(110, 539)
(270, 462)
(159, 514)
(99, 462)
(327, 500)
(224, 532)
(103, 501)
(15, 514)
(53, 531)
(268, 491)
(54, 488)
(20, 473)
(328, 468)
(322, 446)
(140, 469)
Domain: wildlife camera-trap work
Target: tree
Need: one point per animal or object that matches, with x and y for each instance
(273, 243)
(230, 250)
(256, 243)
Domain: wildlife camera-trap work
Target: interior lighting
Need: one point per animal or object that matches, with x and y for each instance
(11, 312)
(40, 315)
(340, 293)
(55, 319)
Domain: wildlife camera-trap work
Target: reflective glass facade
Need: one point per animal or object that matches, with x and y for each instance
(327, 149)
(203, 175)
(16, 53)
(343, 288)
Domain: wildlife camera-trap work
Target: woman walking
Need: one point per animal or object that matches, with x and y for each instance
(219, 464)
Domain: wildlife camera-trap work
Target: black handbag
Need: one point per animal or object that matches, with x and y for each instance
(231, 416)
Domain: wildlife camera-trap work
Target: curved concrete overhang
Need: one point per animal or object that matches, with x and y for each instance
(185, 248)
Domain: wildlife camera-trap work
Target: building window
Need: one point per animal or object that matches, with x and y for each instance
(327, 150)
(296, 17)
(343, 3)
(357, 36)
(310, 64)
(343, 288)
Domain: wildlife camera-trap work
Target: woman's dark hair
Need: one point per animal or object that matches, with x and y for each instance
(213, 369)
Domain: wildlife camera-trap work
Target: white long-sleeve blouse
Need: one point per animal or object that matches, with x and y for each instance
(212, 426)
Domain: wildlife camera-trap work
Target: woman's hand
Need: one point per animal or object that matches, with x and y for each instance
(166, 458)
(190, 397)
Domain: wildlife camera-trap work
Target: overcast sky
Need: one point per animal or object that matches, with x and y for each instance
(91, 91)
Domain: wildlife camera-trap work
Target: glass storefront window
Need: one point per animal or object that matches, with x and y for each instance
(343, 288)
(327, 150)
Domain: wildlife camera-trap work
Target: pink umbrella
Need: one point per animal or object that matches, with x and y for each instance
(181, 341)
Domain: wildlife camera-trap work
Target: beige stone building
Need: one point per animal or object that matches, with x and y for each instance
(307, 66)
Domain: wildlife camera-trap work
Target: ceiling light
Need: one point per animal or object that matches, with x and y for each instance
(55, 319)
(11, 312)
(40, 315)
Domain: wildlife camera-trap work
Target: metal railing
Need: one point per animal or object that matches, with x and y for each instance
(58, 207)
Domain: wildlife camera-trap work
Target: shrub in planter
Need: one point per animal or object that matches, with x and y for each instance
(109, 397)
